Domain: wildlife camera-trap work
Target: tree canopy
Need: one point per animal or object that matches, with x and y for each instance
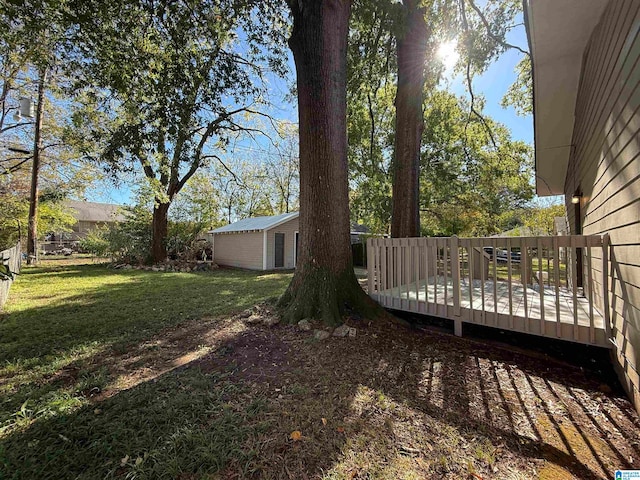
(171, 84)
(167, 91)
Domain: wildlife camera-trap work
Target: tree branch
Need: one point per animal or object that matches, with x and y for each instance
(15, 167)
(472, 109)
(15, 125)
(148, 170)
(493, 36)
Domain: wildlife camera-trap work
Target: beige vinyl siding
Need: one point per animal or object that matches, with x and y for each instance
(605, 167)
(289, 228)
(242, 250)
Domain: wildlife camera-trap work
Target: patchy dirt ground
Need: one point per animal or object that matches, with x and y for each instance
(393, 402)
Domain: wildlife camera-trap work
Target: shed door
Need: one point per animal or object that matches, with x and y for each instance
(279, 260)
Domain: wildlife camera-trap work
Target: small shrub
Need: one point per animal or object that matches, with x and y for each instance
(96, 242)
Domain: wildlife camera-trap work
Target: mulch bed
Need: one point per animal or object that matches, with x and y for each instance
(394, 402)
(397, 402)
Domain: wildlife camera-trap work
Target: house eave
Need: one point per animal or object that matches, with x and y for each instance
(558, 33)
(212, 232)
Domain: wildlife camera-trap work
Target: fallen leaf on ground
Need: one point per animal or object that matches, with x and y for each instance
(296, 435)
(324, 421)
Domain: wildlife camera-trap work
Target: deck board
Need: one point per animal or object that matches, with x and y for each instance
(408, 292)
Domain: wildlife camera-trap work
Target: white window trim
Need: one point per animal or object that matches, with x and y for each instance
(264, 250)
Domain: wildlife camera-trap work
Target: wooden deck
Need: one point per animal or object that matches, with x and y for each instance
(423, 276)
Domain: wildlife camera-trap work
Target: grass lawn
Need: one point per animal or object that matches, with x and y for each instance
(149, 375)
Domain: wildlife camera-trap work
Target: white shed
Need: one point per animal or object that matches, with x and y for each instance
(258, 243)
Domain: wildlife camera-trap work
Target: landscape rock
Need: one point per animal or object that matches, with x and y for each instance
(341, 331)
(253, 319)
(245, 314)
(271, 321)
(127, 267)
(304, 325)
(321, 335)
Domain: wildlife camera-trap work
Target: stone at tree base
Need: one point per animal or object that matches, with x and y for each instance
(245, 314)
(253, 319)
(321, 335)
(344, 330)
(271, 321)
(304, 325)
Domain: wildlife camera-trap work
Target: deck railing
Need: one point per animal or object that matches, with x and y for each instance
(551, 286)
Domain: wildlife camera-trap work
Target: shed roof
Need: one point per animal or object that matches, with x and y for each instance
(95, 212)
(256, 224)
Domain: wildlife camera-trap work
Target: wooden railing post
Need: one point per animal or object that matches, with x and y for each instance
(455, 276)
(371, 268)
(605, 285)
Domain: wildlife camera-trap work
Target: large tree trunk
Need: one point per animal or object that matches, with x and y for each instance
(160, 222)
(32, 234)
(412, 50)
(324, 284)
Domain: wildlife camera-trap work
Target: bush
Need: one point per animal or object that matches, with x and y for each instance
(182, 239)
(96, 242)
(130, 240)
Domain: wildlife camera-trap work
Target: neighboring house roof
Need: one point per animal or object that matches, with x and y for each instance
(357, 228)
(256, 224)
(558, 33)
(95, 212)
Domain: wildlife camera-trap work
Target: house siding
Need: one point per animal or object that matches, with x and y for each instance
(241, 250)
(289, 228)
(605, 168)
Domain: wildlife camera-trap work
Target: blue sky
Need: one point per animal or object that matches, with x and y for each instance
(492, 85)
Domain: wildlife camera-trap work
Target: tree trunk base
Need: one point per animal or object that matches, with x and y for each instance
(322, 295)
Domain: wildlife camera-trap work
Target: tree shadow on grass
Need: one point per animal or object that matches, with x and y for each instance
(385, 404)
(89, 305)
(183, 422)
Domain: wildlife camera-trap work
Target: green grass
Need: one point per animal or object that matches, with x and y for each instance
(184, 422)
(54, 311)
(147, 375)
(62, 318)
(516, 270)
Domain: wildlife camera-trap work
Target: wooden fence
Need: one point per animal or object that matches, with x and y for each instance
(10, 261)
(550, 286)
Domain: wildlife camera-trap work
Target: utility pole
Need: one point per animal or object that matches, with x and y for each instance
(32, 235)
